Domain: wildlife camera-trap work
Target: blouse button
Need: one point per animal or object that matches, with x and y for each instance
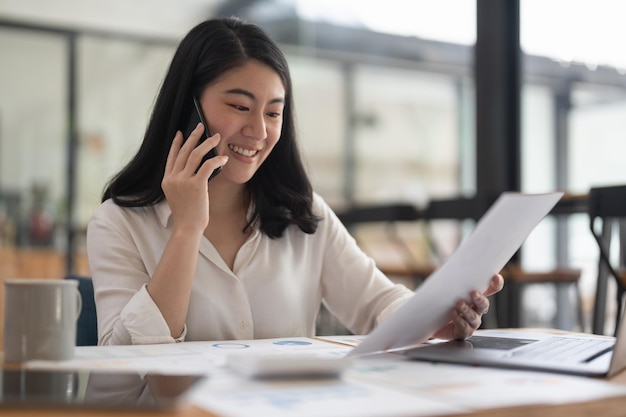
(243, 325)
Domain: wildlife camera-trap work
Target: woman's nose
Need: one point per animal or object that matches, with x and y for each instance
(255, 127)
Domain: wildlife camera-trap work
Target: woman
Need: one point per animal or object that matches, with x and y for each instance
(254, 253)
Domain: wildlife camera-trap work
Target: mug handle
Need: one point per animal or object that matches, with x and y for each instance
(79, 304)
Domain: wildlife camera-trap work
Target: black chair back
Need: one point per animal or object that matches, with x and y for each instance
(607, 212)
(87, 325)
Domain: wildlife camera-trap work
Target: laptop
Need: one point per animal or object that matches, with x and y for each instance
(584, 354)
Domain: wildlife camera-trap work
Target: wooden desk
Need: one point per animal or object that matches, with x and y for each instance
(186, 412)
(610, 407)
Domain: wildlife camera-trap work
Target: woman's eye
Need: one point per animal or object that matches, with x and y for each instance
(273, 114)
(238, 107)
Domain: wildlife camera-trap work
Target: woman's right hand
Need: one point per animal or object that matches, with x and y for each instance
(185, 189)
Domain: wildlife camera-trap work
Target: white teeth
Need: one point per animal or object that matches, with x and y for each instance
(242, 151)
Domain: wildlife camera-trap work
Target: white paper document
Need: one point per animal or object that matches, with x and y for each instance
(312, 398)
(496, 238)
(477, 388)
(192, 358)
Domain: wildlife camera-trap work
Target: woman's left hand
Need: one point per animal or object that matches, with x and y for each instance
(467, 317)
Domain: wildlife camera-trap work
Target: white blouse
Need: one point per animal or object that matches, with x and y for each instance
(275, 289)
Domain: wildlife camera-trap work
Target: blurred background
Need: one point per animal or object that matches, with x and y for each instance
(388, 105)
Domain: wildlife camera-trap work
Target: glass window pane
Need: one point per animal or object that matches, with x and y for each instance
(597, 145)
(33, 136)
(538, 171)
(320, 117)
(118, 83)
(584, 63)
(407, 135)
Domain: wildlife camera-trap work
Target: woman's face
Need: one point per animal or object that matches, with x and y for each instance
(245, 106)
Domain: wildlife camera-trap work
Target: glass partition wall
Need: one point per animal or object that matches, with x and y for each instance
(33, 81)
(573, 128)
(372, 131)
(71, 113)
(404, 124)
(117, 85)
(33, 143)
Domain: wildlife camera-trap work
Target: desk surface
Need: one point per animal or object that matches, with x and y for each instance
(608, 407)
(611, 407)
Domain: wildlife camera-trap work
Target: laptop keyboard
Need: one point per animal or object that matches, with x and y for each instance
(565, 349)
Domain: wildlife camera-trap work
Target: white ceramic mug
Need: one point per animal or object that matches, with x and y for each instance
(40, 319)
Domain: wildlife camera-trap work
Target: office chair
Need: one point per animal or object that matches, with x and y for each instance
(607, 214)
(87, 325)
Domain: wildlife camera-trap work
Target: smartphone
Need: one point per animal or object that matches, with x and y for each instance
(198, 117)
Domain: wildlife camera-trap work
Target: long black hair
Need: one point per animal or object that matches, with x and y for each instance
(280, 190)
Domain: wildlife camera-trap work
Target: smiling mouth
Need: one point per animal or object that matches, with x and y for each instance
(242, 151)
